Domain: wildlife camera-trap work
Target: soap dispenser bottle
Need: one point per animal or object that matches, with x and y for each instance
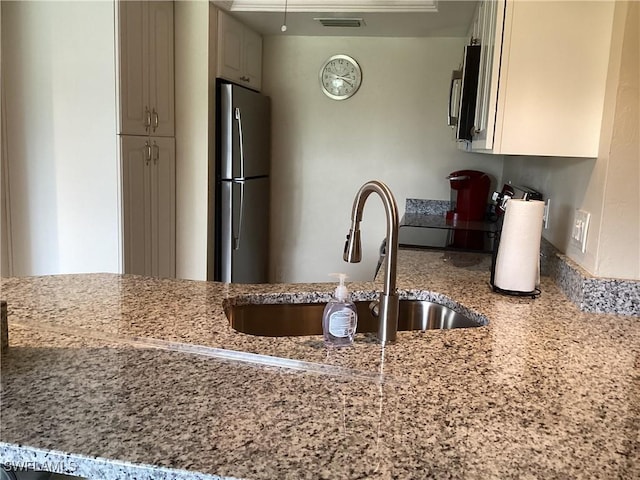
(340, 317)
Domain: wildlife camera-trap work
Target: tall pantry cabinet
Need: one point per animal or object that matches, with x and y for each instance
(146, 129)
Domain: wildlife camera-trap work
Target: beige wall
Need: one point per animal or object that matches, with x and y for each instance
(59, 136)
(192, 137)
(618, 246)
(609, 186)
(393, 130)
(5, 248)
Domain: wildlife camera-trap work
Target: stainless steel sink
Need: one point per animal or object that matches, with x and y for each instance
(291, 319)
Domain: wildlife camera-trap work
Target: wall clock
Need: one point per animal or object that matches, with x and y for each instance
(340, 77)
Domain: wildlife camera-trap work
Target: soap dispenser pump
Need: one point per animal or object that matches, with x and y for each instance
(340, 317)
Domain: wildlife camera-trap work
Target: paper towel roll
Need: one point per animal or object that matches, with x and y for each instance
(517, 267)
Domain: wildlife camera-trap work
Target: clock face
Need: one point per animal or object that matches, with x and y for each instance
(340, 77)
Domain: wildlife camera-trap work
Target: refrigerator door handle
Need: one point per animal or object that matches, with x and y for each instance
(240, 141)
(236, 236)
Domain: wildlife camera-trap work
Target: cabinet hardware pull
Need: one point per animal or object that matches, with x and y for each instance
(156, 152)
(147, 153)
(147, 118)
(456, 78)
(245, 79)
(155, 120)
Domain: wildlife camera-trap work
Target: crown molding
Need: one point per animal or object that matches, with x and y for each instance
(381, 6)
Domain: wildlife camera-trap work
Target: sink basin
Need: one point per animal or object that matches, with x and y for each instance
(291, 319)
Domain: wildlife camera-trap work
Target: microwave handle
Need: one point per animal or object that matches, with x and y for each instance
(452, 120)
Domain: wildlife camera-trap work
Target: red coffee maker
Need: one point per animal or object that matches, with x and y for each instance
(469, 205)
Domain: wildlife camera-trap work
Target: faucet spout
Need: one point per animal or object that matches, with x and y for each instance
(388, 311)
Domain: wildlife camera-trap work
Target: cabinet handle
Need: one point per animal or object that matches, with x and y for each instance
(156, 152)
(452, 114)
(155, 120)
(147, 118)
(245, 79)
(147, 153)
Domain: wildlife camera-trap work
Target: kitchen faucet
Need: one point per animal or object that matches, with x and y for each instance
(388, 305)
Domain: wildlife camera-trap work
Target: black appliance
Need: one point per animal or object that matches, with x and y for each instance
(242, 185)
(463, 94)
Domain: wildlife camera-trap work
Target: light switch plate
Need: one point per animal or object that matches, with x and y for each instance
(580, 228)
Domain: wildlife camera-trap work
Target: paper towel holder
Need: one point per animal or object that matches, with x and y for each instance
(535, 293)
(496, 245)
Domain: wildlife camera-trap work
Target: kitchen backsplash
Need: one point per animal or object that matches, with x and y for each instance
(591, 294)
(427, 207)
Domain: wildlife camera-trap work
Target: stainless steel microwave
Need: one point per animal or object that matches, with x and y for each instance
(463, 94)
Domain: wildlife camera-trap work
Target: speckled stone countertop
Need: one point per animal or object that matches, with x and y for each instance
(117, 376)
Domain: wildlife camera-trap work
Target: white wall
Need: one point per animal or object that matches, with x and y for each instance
(59, 79)
(609, 186)
(618, 245)
(192, 137)
(5, 249)
(393, 130)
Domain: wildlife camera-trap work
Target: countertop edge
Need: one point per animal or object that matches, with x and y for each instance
(22, 458)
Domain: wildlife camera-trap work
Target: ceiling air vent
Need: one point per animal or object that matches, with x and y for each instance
(341, 22)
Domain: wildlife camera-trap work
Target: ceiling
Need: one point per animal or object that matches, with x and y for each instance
(452, 18)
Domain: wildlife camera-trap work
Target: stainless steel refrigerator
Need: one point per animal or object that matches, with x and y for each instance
(242, 185)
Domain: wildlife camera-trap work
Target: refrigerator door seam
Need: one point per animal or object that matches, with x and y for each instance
(243, 179)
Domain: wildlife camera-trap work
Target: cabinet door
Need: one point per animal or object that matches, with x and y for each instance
(239, 53)
(553, 83)
(543, 94)
(230, 33)
(163, 207)
(136, 185)
(252, 59)
(161, 62)
(133, 52)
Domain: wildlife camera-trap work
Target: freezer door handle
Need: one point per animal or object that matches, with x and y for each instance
(240, 140)
(236, 235)
(239, 181)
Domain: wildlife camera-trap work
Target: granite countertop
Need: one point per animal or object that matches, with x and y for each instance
(120, 376)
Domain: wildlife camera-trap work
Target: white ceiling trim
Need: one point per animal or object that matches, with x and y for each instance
(381, 6)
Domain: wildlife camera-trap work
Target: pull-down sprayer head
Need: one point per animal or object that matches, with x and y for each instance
(353, 245)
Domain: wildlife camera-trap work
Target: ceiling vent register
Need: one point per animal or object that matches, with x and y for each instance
(341, 22)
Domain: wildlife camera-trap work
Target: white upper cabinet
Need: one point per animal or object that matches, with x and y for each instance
(239, 53)
(542, 78)
(146, 61)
